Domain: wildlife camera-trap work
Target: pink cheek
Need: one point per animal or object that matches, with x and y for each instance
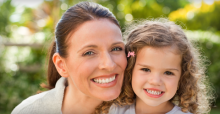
(122, 62)
(135, 80)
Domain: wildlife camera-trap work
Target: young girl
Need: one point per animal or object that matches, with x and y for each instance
(165, 72)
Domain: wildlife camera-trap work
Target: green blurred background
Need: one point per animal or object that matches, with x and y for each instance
(27, 29)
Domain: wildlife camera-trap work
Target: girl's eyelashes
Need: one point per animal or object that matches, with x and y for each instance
(88, 53)
(148, 70)
(145, 69)
(117, 49)
(168, 73)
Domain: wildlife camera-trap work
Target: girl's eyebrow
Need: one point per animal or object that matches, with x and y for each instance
(173, 69)
(95, 46)
(143, 65)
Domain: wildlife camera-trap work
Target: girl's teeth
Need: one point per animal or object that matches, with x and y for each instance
(103, 81)
(154, 92)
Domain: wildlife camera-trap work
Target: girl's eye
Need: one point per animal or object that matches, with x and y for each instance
(88, 53)
(145, 69)
(168, 73)
(117, 49)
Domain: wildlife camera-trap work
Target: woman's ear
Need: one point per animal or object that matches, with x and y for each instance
(60, 65)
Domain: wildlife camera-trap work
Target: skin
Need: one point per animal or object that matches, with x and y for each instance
(96, 51)
(157, 69)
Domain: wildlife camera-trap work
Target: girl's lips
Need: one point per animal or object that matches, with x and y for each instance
(154, 93)
(154, 89)
(106, 85)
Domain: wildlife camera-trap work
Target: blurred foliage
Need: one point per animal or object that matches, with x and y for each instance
(199, 16)
(22, 69)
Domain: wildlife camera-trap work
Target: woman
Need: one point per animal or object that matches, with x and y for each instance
(86, 64)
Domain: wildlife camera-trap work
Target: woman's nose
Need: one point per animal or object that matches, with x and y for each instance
(107, 62)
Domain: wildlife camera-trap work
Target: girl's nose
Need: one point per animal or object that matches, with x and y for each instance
(107, 62)
(155, 79)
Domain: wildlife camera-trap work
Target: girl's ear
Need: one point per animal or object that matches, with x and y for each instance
(60, 65)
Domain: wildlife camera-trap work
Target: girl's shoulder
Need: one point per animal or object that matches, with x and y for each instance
(130, 109)
(127, 109)
(177, 110)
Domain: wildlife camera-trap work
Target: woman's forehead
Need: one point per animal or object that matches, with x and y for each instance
(95, 32)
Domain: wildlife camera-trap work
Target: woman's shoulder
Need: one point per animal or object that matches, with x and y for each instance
(177, 110)
(127, 109)
(35, 103)
(49, 102)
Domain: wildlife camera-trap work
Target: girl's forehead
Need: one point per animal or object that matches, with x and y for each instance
(173, 49)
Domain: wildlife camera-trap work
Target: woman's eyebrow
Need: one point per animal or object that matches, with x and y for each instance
(87, 46)
(95, 46)
(118, 43)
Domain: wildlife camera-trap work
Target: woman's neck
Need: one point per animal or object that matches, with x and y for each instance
(143, 108)
(75, 102)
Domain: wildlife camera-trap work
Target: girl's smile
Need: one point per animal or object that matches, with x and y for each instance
(155, 93)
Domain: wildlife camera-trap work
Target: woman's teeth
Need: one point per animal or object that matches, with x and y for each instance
(104, 81)
(154, 92)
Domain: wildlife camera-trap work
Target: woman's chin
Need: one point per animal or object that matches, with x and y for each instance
(109, 97)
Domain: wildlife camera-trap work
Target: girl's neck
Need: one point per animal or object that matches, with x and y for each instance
(75, 102)
(143, 108)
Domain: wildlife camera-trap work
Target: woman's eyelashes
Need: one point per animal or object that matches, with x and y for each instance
(117, 49)
(88, 53)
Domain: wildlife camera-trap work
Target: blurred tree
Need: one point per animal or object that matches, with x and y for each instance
(199, 16)
(4, 32)
(6, 11)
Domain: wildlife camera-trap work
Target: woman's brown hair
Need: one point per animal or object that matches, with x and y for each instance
(71, 19)
(193, 94)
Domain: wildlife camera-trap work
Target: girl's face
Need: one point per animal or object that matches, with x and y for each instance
(155, 75)
(96, 60)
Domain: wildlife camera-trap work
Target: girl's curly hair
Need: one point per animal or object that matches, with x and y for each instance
(194, 93)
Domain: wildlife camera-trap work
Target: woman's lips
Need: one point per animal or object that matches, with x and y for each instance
(105, 81)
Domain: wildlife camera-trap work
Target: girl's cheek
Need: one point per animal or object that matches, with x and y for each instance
(136, 78)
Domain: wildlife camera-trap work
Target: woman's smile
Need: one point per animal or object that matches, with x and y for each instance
(105, 81)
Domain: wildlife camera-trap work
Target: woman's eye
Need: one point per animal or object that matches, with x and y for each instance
(145, 69)
(117, 49)
(168, 73)
(88, 53)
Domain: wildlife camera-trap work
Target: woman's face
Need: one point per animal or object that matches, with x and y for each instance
(96, 59)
